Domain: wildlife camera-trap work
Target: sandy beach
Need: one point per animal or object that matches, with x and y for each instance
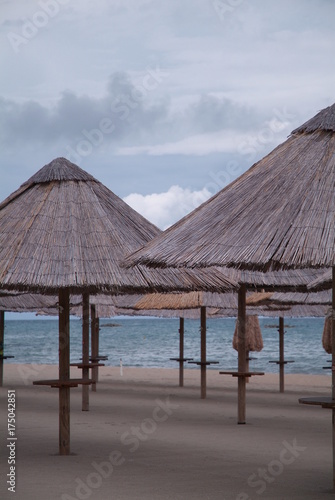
(145, 438)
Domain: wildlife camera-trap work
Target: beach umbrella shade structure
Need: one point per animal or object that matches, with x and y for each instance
(278, 214)
(293, 279)
(63, 232)
(186, 301)
(291, 304)
(224, 305)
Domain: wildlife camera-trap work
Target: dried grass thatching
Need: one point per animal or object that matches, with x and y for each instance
(253, 337)
(191, 300)
(289, 298)
(323, 281)
(64, 229)
(259, 298)
(278, 214)
(273, 311)
(294, 280)
(26, 302)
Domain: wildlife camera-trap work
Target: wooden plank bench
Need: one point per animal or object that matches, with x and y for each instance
(181, 360)
(240, 374)
(204, 363)
(279, 362)
(74, 382)
(323, 401)
(86, 365)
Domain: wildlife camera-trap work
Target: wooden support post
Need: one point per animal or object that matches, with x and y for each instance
(181, 352)
(97, 338)
(203, 351)
(2, 340)
(86, 349)
(247, 364)
(333, 369)
(241, 322)
(281, 354)
(94, 352)
(64, 372)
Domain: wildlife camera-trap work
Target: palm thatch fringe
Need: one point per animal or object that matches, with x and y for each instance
(253, 340)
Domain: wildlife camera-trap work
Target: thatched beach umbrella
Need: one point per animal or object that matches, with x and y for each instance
(64, 232)
(291, 304)
(279, 214)
(186, 301)
(293, 279)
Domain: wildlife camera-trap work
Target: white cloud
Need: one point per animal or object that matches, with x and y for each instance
(164, 209)
(270, 134)
(200, 144)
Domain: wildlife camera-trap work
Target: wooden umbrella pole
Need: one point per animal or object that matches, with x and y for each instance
(94, 353)
(86, 348)
(97, 339)
(281, 354)
(2, 339)
(247, 357)
(333, 368)
(64, 372)
(181, 352)
(203, 351)
(241, 354)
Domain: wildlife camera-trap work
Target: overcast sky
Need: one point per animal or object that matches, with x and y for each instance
(164, 101)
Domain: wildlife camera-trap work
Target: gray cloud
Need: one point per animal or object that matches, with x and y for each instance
(128, 111)
(233, 84)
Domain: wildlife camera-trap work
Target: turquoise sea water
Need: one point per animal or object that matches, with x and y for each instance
(150, 342)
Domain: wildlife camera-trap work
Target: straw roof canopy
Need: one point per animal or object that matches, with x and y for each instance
(289, 298)
(291, 311)
(191, 300)
(27, 302)
(322, 282)
(278, 214)
(64, 229)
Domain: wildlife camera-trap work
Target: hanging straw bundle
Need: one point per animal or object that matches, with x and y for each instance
(327, 335)
(254, 340)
